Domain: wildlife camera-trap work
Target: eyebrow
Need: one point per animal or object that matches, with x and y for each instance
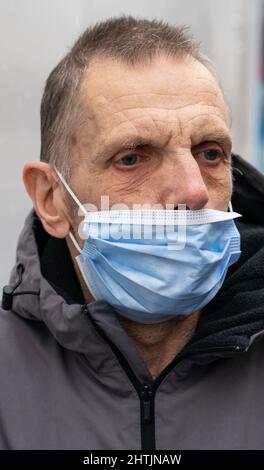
(121, 145)
(218, 135)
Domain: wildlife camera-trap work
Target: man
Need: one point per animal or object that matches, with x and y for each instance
(134, 112)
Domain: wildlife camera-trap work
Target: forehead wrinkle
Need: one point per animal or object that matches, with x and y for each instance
(119, 106)
(181, 77)
(104, 109)
(146, 95)
(114, 93)
(178, 72)
(143, 120)
(138, 94)
(168, 125)
(217, 111)
(173, 101)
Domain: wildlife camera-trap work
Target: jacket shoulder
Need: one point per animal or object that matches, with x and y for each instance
(21, 339)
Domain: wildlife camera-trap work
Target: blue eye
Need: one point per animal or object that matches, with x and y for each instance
(129, 160)
(211, 154)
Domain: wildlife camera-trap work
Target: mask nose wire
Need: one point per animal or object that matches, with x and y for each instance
(73, 195)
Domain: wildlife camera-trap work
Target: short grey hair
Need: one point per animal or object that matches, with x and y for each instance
(128, 39)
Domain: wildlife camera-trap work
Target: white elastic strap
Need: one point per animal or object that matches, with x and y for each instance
(74, 197)
(230, 207)
(74, 241)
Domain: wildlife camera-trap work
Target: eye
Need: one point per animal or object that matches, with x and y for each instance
(129, 160)
(211, 154)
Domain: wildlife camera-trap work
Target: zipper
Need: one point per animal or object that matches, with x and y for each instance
(147, 417)
(145, 398)
(144, 391)
(147, 391)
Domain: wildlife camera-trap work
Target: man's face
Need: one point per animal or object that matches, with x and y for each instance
(155, 134)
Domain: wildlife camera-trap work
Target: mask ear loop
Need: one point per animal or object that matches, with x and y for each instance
(70, 191)
(74, 241)
(74, 197)
(230, 207)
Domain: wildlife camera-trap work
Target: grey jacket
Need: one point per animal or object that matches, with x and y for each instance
(72, 379)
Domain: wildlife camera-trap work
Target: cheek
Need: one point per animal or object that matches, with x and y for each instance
(119, 183)
(128, 191)
(219, 185)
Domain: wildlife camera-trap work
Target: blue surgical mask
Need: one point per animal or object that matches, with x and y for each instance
(155, 265)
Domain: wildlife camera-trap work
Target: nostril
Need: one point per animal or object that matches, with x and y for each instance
(187, 208)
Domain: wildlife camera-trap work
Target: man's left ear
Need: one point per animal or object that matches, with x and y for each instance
(47, 197)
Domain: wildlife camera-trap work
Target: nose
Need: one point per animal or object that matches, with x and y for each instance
(182, 183)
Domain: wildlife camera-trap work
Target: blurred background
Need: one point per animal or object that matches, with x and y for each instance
(34, 35)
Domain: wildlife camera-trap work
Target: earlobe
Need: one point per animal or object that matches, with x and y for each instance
(41, 185)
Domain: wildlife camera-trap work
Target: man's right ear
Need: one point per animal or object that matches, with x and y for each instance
(42, 186)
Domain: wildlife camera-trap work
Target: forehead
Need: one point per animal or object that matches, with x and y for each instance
(164, 92)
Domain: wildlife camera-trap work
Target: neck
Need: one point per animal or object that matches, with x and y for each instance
(159, 344)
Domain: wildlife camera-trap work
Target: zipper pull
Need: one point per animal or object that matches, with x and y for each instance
(146, 405)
